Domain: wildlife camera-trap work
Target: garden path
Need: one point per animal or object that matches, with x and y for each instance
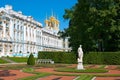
(14, 75)
(111, 68)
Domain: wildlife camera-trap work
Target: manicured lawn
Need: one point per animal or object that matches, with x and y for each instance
(2, 61)
(18, 59)
(81, 71)
(102, 66)
(31, 70)
(62, 68)
(52, 65)
(85, 77)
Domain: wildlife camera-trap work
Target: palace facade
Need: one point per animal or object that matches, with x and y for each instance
(21, 35)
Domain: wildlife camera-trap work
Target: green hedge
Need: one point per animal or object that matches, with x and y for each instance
(89, 58)
(102, 58)
(58, 57)
(93, 58)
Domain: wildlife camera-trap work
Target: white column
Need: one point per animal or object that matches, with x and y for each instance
(35, 35)
(24, 33)
(11, 29)
(3, 51)
(32, 49)
(4, 29)
(8, 49)
(41, 37)
(16, 48)
(19, 36)
(28, 33)
(36, 50)
(31, 37)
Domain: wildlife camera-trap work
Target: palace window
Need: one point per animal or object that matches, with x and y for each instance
(0, 22)
(14, 26)
(7, 25)
(21, 27)
(17, 26)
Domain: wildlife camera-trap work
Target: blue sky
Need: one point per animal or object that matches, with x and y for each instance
(38, 9)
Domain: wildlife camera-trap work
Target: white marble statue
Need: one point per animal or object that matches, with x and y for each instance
(80, 54)
(80, 58)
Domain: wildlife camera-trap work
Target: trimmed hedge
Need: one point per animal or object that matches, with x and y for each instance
(58, 57)
(93, 58)
(102, 58)
(89, 58)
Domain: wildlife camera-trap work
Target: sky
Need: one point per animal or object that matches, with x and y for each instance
(39, 9)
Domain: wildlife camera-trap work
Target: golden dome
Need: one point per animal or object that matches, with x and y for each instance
(46, 21)
(52, 18)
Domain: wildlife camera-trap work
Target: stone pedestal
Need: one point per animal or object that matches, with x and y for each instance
(80, 66)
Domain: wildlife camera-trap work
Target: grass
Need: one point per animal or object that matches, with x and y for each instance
(28, 70)
(15, 67)
(2, 61)
(21, 66)
(62, 68)
(81, 71)
(35, 76)
(85, 77)
(52, 65)
(31, 70)
(102, 66)
(18, 59)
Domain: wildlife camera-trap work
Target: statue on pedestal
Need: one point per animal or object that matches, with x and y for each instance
(80, 58)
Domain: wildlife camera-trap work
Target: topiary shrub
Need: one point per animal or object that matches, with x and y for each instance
(31, 60)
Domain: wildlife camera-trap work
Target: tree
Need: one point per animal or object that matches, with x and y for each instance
(31, 60)
(95, 24)
(78, 25)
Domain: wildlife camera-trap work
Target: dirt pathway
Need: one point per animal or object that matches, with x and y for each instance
(15, 74)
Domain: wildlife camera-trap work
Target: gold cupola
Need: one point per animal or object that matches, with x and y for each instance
(52, 23)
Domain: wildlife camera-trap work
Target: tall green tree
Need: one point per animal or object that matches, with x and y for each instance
(95, 24)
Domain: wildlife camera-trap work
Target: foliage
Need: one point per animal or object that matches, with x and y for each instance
(112, 58)
(93, 58)
(102, 58)
(95, 24)
(88, 58)
(58, 57)
(31, 60)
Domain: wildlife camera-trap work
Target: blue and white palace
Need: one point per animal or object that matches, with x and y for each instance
(21, 35)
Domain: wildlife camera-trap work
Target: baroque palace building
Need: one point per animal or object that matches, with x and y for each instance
(21, 35)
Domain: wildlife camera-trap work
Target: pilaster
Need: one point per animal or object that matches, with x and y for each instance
(4, 29)
(11, 29)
